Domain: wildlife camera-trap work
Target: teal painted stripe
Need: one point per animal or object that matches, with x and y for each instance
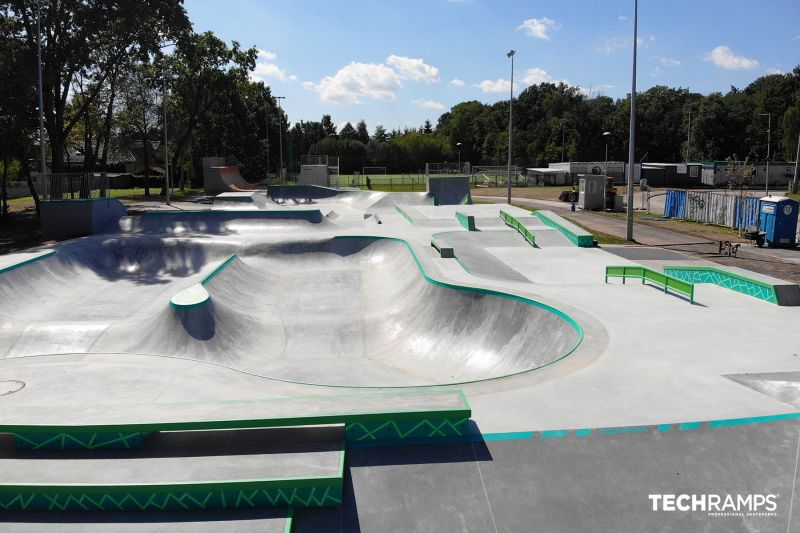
(663, 428)
(583, 432)
(555, 434)
(511, 435)
(219, 269)
(578, 236)
(289, 518)
(688, 426)
(27, 262)
(628, 429)
(752, 420)
(405, 215)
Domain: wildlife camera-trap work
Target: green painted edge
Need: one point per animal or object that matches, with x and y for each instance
(226, 212)
(27, 262)
(580, 238)
(405, 215)
(467, 221)
(762, 284)
(514, 223)
(333, 418)
(219, 269)
(287, 528)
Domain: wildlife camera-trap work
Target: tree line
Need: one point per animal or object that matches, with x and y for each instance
(110, 68)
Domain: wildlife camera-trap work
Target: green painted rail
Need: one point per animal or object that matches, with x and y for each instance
(729, 280)
(665, 281)
(510, 220)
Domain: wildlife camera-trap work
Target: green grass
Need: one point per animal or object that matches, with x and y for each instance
(125, 194)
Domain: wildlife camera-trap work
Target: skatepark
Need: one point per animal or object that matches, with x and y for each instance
(314, 359)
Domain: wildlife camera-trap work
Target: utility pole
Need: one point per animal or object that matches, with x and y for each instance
(562, 139)
(632, 133)
(42, 155)
(280, 133)
(166, 146)
(796, 164)
(266, 130)
(769, 141)
(688, 136)
(510, 111)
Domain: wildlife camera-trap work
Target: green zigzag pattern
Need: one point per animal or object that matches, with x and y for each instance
(361, 431)
(728, 282)
(297, 497)
(78, 441)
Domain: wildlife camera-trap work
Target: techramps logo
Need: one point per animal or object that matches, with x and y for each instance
(717, 505)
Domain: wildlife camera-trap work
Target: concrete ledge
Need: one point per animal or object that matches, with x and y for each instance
(786, 294)
(444, 252)
(578, 236)
(466, 221)
(79, 217)
(14, 266)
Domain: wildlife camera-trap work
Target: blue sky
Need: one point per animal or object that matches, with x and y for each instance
(400, 62)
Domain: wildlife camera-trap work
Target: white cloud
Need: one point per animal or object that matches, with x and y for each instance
(614, 44)
(774, 70)
(669, 62)
(656, 72)
(499, 86)
(267, 70)
(538, 28)
(455, 82)
(723, 57)
(622, 18)
(427, 103)
(594, 91)
(293, 77)
(356, 81)
(266, 54)
(535, 76)
(414, 69)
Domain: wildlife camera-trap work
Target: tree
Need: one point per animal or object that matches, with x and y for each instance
(427, 127)
(380, 135)
(328, 127)
(90, 39)
(349, 132)
(361, 130)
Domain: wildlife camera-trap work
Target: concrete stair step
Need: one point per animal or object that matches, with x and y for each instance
(180, 471)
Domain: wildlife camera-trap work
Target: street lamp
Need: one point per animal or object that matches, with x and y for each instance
(769, 139)
(167, 184)
(606, 134)
(510, 55)
(632, 133)
(688, 136)
(458, 145)
(280, 132)
(42, 156)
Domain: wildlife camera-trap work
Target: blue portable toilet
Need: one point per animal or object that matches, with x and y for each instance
(778, 219)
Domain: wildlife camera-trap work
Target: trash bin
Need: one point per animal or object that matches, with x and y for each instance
(777, 218)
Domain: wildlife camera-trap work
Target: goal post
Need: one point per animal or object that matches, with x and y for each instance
(365, 171)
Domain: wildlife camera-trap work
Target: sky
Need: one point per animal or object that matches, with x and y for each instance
(400, 62)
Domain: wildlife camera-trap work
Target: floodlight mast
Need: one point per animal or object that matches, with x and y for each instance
(632, 133)
(42, 155)
(510, 55)
(280, 132)
(769, 142)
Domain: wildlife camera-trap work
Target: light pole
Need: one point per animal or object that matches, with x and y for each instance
(793, 189)
(166, 146)
(510, 54)
(266, 130)
(688, 136)
(280, 132)
(606, 134)
(632, 133)
(458, 145)
(42, 155)
(769, 139)
(562, 139)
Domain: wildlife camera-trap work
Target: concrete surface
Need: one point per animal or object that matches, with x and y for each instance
(93, 322)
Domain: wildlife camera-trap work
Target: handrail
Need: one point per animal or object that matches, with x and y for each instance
(511, 221)
(646, 274)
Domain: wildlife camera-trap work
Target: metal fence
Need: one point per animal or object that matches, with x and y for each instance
(719, 208)
(72, 186)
